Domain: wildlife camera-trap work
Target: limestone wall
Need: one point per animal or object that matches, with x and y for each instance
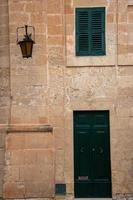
(103, 83)
(29, 170)
(49, 87)
(4, 82)
(29, 87)
(125, 32)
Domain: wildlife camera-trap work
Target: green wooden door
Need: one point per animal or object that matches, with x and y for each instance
(92, 172)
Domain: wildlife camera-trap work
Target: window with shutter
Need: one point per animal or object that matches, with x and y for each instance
(90, 31)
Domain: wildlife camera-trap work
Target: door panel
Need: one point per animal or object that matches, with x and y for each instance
(82, 154)
(100, 154)
(92, 172)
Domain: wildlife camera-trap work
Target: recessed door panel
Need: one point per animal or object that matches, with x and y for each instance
(92, 173)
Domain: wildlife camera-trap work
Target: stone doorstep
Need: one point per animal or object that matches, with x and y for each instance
(125, 197)
(92, 198)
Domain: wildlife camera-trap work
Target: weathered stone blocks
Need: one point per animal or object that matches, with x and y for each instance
(4, 84)
(29, 165)
(48, 87)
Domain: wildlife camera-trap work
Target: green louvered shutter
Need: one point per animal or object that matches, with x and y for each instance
(90, 31)
(82, 33)
(97, 31)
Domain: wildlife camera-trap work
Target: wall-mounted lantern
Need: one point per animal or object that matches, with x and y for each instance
(26, 44)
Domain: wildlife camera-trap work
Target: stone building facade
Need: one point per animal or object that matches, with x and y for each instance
(39, 95)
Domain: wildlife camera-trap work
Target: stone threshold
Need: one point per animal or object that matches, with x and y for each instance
(29, 128)
(93, 198)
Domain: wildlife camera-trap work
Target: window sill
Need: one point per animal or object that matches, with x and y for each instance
(90, 61)
(130, 2)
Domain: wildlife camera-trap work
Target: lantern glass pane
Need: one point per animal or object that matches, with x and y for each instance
(29, 45)
(23, 49)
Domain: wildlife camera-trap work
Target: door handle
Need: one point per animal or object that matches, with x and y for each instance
(93, 149)
(82, 149)
(101, 150)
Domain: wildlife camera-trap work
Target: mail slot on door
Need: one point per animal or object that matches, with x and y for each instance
(83, 178)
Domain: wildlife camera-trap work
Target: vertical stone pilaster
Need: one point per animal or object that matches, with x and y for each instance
(4, 84)
(28, 76)
(55, 64)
